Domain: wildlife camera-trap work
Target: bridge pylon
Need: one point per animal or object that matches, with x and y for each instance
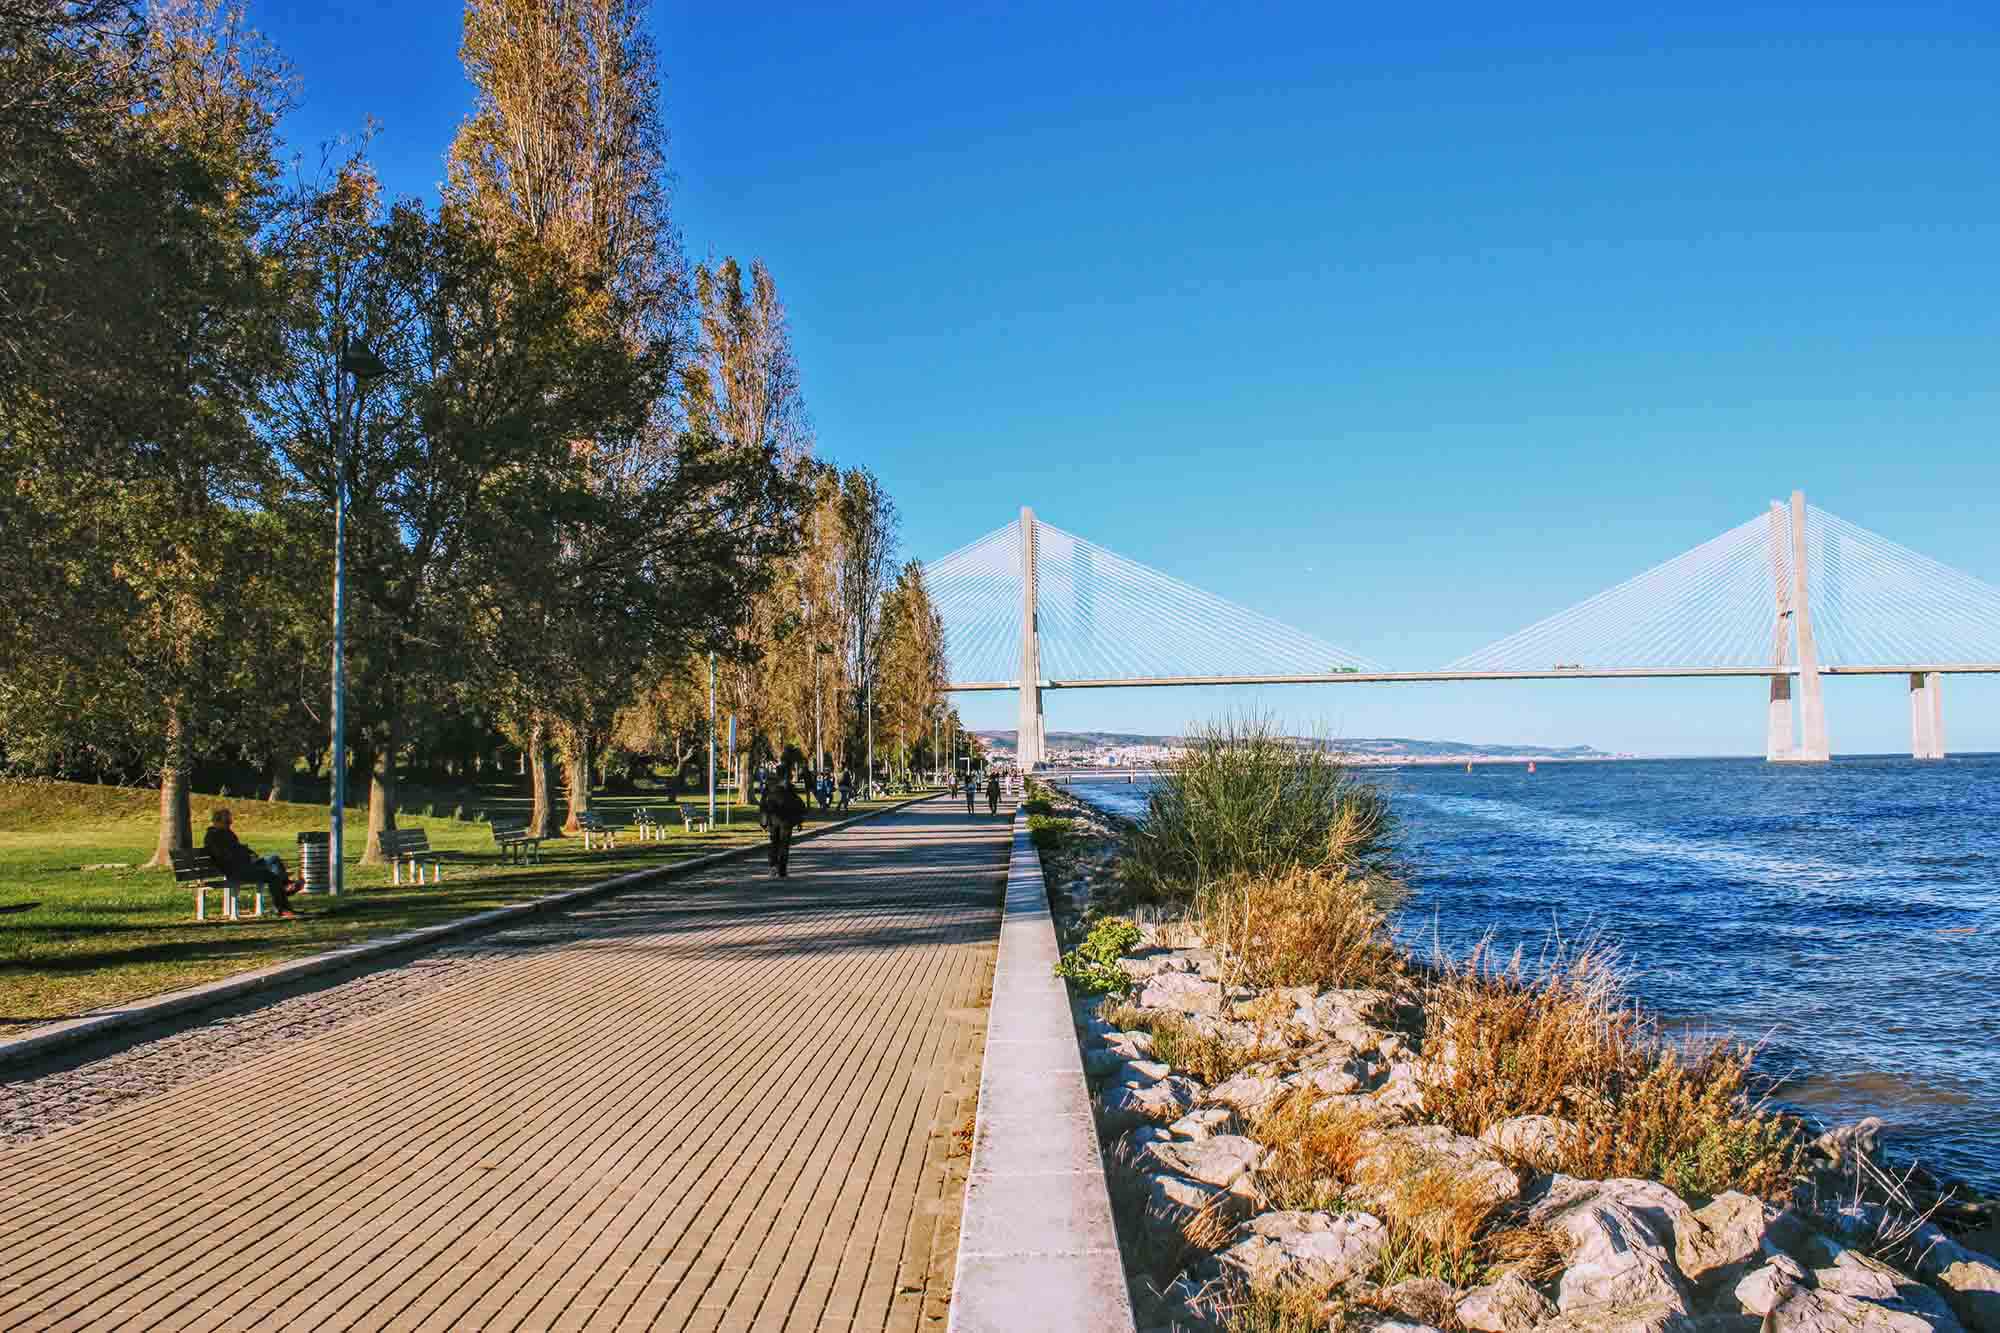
(1812, 747)
(1030, 742)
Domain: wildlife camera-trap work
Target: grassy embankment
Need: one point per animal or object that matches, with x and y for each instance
(75, 939)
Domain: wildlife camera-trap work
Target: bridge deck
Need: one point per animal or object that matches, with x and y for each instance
(725, 1102)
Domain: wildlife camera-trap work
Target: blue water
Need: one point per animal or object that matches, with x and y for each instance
(1802, 906)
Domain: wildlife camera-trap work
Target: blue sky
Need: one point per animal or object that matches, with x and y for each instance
(1405, 326)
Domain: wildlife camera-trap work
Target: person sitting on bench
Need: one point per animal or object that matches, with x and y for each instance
(241, 864)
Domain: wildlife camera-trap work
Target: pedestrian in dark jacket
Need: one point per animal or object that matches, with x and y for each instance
(242, 865)
(783, 810)
(993, 794)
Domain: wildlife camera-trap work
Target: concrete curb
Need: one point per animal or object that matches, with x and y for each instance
(1038, 1248)
(69, 1032)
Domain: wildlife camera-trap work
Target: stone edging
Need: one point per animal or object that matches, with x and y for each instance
(69, 1032)
(1037, 1248)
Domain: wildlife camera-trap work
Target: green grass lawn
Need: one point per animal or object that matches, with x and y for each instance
(97, 937)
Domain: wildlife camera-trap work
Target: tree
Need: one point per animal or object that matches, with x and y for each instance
(137, 320)
(451, 456)
(914, 673)
(743, 389)
(868, 544)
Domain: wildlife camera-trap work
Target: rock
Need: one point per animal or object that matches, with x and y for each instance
(1969, 1279)
(1335, 1072)
(1863, 1277)
(1429, 1300)
(1509, 1305)
(1538, 1140)
(1616, 1254)
(1125, 1106)
(1140, 1073)
(1299, 1247)
(1389, 1155)
(1623, 1317)
(1384, 1324)
(1222, 1161)
(1250, 1095)
(1175, 935)
(1719, 1242)
(1762, 1290)
(1204, 1122)
(1195, 1304)
(1183, 993)
(1806, 1310)
(1174, 1204)
(1364, 1009)
(1863, 1138)
(1149, 963)
(1116, 1049)
(1403, 1091)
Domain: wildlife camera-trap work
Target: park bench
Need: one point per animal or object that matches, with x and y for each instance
(411, 846)
(596, 829)
(691, 821)
(516, 842)
(197, 871)
(648, 826)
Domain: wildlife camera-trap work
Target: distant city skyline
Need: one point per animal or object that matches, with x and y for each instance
(1404, 328)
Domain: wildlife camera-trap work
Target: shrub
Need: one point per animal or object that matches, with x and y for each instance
(1093, 964)
(1246, 800)
(1048, 832)
(1563, 1040)
(1304, 928)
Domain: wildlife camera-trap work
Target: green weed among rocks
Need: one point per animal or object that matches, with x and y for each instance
(1092, 966)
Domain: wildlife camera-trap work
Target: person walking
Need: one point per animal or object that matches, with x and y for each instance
(241, 864)
(993, 793)
(971, 793)
(846, 790)
(782, 810)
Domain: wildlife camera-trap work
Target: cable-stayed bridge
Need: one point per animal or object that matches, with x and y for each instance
(1789, 596)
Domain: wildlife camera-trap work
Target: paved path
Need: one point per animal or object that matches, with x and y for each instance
(729, 1102)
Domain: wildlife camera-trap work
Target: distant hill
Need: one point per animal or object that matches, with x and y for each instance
(1384, 747)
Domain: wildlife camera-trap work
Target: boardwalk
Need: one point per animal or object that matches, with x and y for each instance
(726, 1103)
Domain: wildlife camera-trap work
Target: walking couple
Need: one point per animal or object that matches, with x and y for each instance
(781, 811)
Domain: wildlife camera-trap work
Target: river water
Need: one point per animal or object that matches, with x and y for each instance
(1846, 915)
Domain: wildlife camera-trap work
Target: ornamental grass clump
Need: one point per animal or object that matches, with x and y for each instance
(1245, 799)
(1563, 1040)
(1316, 928)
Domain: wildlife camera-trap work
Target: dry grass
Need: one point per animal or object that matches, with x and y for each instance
(1179, 1042)
(1563, 1040)
(1293, 1307)
(1159, 1244)
(1317, 1151)
(1304, 927)
(1536, 1253)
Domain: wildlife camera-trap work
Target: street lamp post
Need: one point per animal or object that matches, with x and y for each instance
(711, 740)
(362, 364)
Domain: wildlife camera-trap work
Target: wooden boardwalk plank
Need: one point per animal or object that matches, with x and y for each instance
(720, 1103)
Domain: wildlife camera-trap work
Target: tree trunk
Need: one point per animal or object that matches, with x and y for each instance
(579, 781)
(381, 797)
(541, 815)
(176, 827)
(279, 774)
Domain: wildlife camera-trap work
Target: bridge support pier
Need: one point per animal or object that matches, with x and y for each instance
(1029, 741)
(1926, 715)
(1778, 727)
(1812, 744)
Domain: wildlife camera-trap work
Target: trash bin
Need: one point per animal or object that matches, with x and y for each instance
(316, 861)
